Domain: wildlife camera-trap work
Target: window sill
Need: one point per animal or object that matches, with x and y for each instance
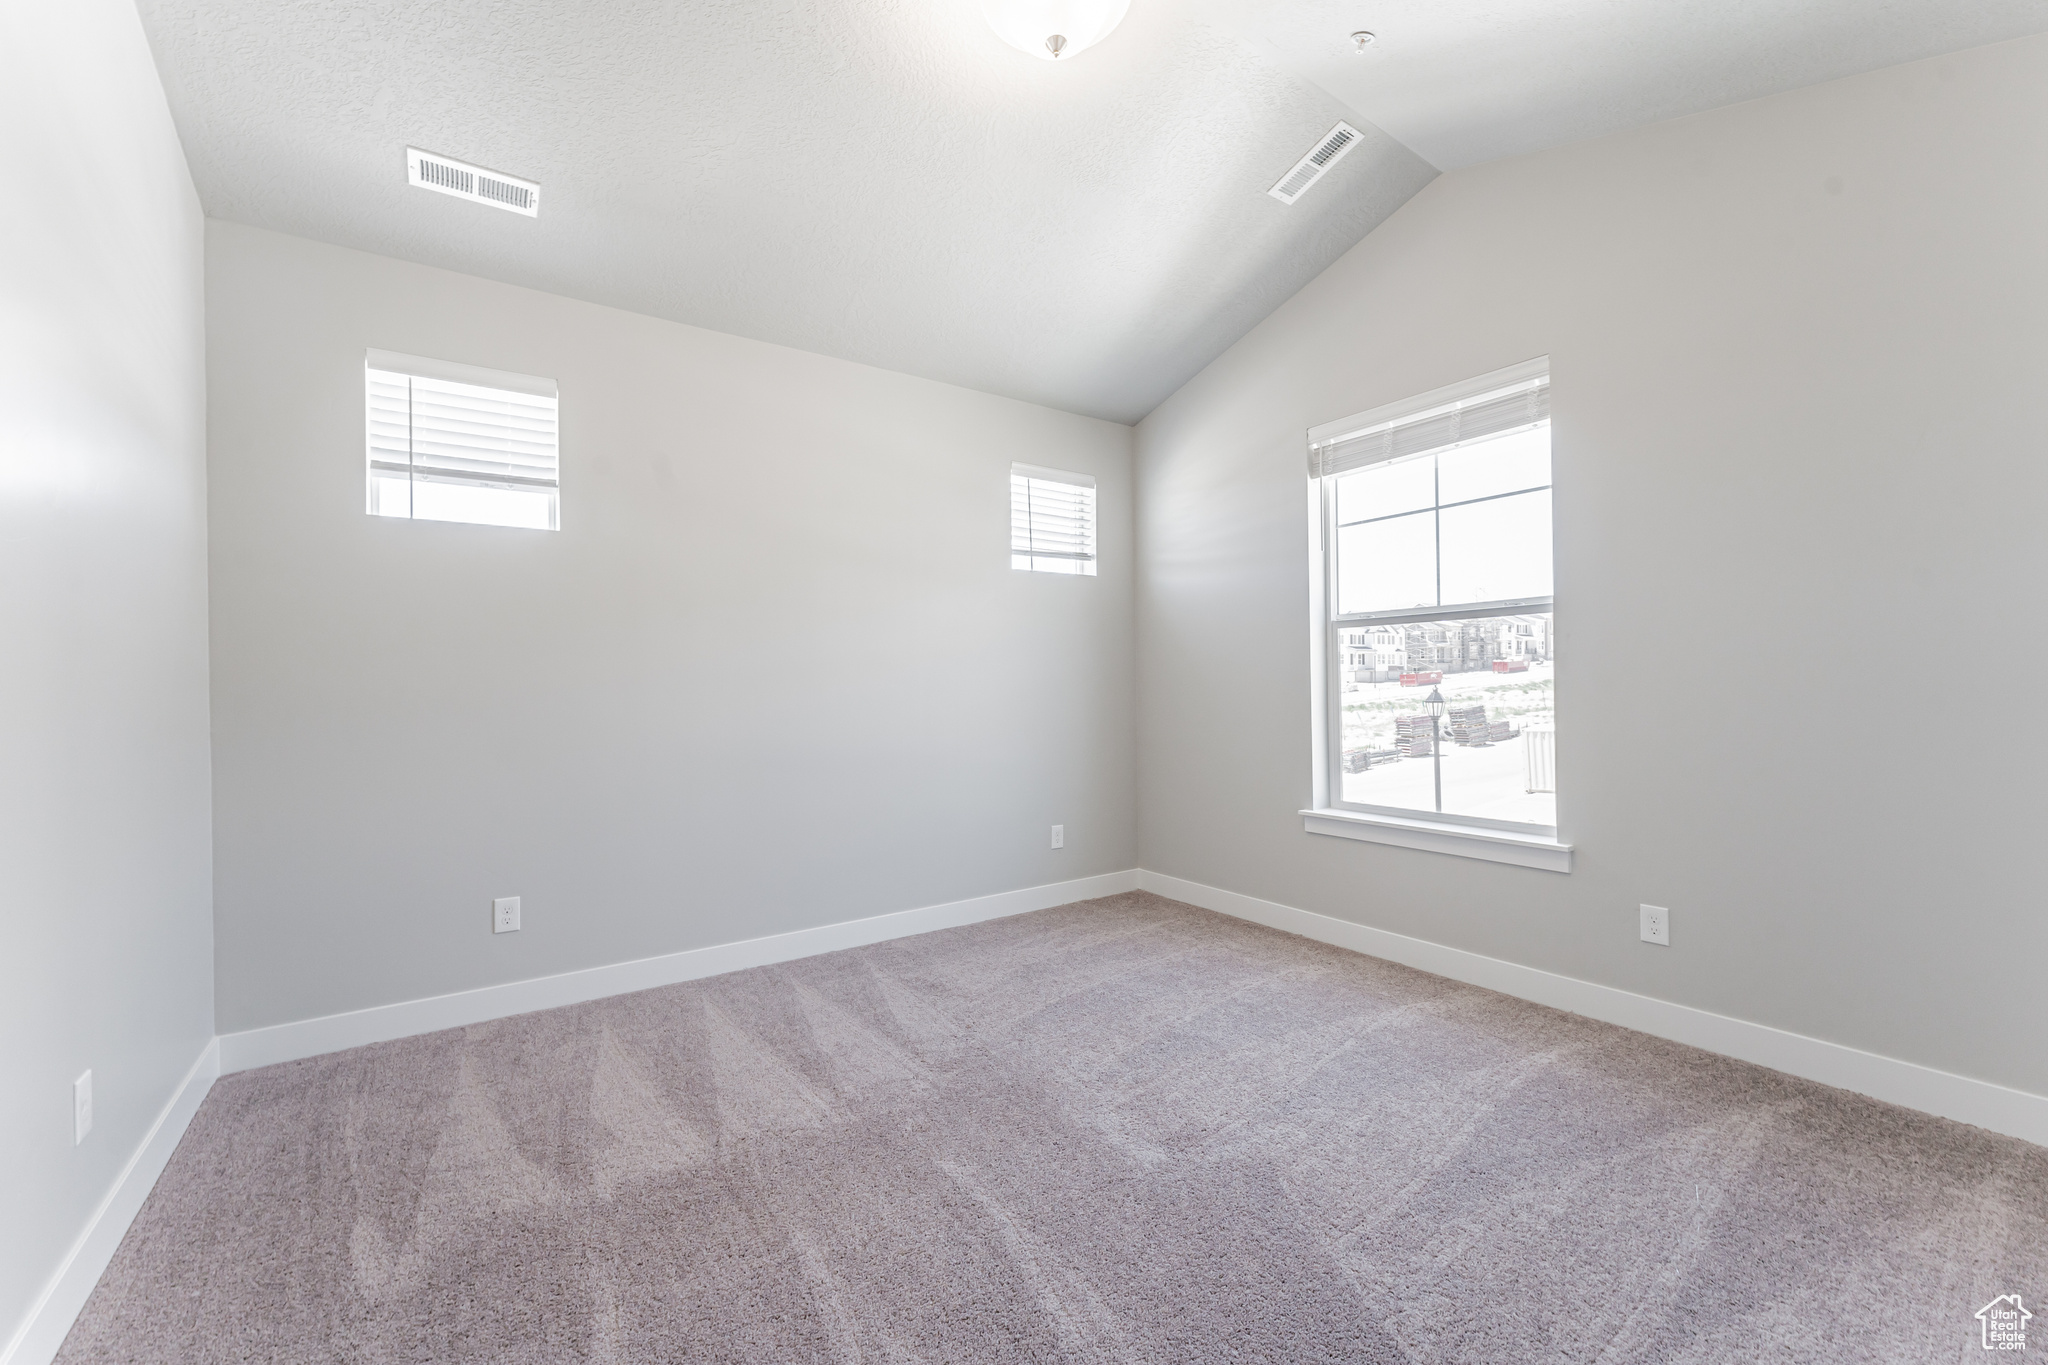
(1462, 841)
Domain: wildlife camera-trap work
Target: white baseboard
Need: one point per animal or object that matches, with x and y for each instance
(42, 1332)
(1998, 1108)
(334, 1032)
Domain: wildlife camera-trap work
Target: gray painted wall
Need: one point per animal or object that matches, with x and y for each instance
(775, 670)
(106, 940)
(1798, 349)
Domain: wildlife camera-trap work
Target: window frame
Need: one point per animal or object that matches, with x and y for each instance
(1085, 565)
(1524, 843)
(412, 368)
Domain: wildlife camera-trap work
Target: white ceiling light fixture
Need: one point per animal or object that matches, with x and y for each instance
(1053, 30)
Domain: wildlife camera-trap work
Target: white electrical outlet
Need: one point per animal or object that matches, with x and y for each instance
(1656, 925)
(505, 915)
(81, 1108)
(1059, 836)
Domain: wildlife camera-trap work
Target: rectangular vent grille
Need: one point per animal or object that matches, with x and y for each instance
(446, 176)
(1310, 168)
(504, 192)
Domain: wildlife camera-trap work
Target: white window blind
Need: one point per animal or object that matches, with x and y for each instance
(452, 442)
(1052, 520)
(1525, 405)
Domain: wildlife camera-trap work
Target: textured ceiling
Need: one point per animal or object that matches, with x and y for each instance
(1464, 81)
(887, 181)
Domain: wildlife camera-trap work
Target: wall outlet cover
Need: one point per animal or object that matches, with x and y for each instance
(505, 915)
(1656, 924)
(1059, 836)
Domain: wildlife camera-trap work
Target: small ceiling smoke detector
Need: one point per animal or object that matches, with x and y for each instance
(1310, 168)
(1362, 40)
(1053, 30)
(444, 175)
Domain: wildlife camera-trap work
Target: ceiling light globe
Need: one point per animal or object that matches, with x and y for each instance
(1053, 30)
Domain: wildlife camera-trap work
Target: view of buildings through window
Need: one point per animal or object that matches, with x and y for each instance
(1442, 648)
(1497, 733)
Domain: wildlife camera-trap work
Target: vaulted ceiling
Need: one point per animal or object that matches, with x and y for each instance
(1465, 81)
(886, 181)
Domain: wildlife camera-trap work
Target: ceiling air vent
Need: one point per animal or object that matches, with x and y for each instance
(445, 176)
(1310, 168)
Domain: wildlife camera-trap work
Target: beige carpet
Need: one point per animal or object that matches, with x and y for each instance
(1125, 1130)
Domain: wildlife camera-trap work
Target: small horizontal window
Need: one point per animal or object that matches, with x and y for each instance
(1052, 520)
(452, 442)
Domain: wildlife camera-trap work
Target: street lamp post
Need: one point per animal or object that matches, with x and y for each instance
(1434, 704)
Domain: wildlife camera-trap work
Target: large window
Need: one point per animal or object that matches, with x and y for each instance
(451, 442)
(1440, 647)
(1052, 520)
